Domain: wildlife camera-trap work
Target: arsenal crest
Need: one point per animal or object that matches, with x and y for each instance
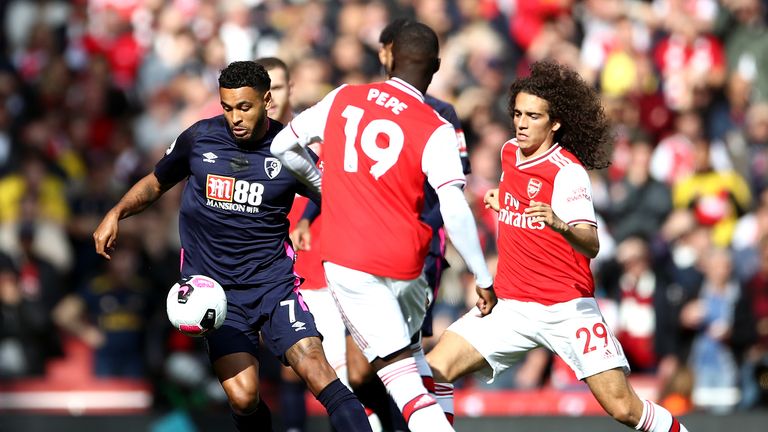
(534, 186)
(272, 167)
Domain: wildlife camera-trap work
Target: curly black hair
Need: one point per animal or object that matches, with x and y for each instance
(245, 74)
(584, 129)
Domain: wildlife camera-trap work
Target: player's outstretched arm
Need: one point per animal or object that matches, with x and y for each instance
(461, 228)
(140, 196)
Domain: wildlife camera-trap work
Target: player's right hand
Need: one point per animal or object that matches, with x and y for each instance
(105, 235)
(486, 301)
(300, 236)
(491, 199)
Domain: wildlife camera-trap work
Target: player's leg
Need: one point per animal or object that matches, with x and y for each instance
(475, 344)
(612, 389)
(232, 350)
(452, 358)
(365, 303)
(291, 333)
(367, 386)
(577, 332)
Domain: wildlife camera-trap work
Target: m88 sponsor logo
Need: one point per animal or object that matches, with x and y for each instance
(228, 193)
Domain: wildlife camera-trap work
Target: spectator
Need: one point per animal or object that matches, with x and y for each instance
(711, 315)
(638, 203)
(109, 314)
(717, 198)
(27, 334)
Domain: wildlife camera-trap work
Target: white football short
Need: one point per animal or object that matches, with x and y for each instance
(574, 330)
(329, 324)
(381, 314)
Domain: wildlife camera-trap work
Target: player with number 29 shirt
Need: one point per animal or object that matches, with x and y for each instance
(380, 142)
(547, 235)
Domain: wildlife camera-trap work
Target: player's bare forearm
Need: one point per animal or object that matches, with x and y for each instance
(140, 196)
(145, 192)
(581, 237)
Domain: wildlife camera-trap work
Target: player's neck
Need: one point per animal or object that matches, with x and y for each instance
(418, 82)
(533, 153)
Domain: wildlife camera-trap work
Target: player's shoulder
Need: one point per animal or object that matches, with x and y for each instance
(562, 158)
(439, 105)
(207, 126)
(445, 110)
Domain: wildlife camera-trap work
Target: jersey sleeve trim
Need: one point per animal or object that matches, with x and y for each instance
(457, 180)
(582, 221)
(290, 127)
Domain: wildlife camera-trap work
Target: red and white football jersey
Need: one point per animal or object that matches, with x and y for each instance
(308, 263)
(536, 264)
(380, 142)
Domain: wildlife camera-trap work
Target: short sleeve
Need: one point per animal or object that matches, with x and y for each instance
(173, 167)
(441, 162)
(572, 196)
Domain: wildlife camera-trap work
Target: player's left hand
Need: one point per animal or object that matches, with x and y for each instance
(301, 237)
(486, 301)
(542, 212)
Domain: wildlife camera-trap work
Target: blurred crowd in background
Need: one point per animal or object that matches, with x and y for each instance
(92, 92)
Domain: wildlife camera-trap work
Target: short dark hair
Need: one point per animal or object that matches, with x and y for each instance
(240, 74)
(417, 42)
(387, 35)
(584, 128)
(271, 63)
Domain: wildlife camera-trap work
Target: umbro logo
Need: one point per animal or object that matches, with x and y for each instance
(298, 326)
(209, 157)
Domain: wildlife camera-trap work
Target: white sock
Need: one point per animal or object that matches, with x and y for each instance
(420, 409)
(443, 393)
(444, 396)
(655, 418)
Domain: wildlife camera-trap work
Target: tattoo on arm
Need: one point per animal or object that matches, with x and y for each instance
(145, 192)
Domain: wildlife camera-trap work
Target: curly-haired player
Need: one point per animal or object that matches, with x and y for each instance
(547, 235)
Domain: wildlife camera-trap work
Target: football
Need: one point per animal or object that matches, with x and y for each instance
(196, 305)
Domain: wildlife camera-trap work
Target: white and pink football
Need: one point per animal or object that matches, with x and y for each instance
(196, 305)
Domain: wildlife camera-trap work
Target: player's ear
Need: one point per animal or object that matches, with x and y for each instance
(555, 125)
(267, 98)
(436, 66)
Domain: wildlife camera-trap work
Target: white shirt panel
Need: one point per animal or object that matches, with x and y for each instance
(440, 160)
(572, 196)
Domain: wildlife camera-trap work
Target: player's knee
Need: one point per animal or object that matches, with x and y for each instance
(359, 373)
(619, 406)
(621, 410)
(441, 368)
(243, 400)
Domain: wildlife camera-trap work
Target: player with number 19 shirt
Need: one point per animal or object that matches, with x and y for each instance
(380, 142)
(383, 187)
